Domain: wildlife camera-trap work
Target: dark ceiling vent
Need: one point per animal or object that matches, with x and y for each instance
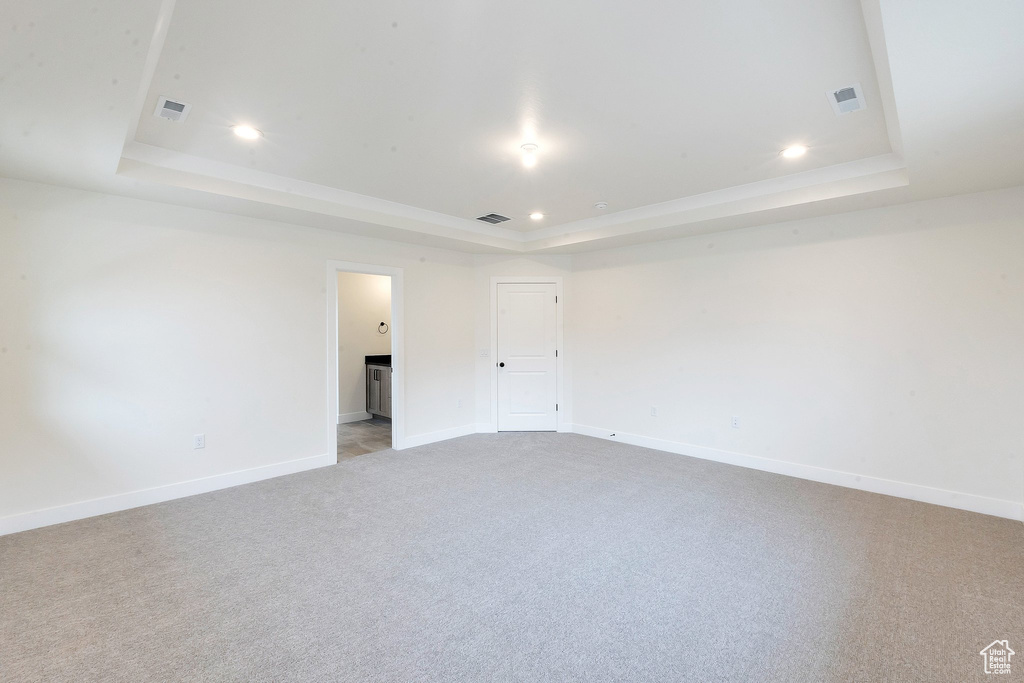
(493, 218)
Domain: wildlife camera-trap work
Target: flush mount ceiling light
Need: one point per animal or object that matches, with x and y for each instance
(794, 151)
(536, 215)
(601, 206)
(529, 154)
(247, 132)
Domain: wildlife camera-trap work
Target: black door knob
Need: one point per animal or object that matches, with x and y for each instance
(501, 365)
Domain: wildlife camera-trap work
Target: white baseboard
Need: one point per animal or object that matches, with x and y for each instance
(124, 501)
(345, 418)
(927, 494)
(488, 428)
(441, 435)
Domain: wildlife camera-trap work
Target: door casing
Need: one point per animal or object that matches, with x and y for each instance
(397, 276)
(563, 422)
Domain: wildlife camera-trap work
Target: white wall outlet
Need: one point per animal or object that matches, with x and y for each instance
(459, 403)
(198, 441)
(735, 421)
(484, 353)
(654, 411)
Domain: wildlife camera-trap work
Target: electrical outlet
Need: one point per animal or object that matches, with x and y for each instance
(735, 422)
(198, 441)
(484, 353)
(459, 403)
(654, 411)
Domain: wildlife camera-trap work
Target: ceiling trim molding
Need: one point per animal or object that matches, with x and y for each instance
(881, 172)
(155, 164)
(872, 11)
(156, 48)
(158, 165)
(166, 167)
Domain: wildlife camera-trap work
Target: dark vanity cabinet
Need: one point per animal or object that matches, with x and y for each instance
(378, 386)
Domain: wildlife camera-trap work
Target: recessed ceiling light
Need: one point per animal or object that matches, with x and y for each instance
(529, 154)
(247, 132)
(536, 215)
(794, 151)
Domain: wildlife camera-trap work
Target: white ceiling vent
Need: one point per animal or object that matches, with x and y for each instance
(493, 218)
(171, 110)
(847, 99)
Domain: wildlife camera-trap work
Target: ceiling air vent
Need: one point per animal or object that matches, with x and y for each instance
(493, 218)
(171, 110)
(847, 99)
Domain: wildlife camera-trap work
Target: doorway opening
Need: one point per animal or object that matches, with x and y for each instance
(365, 360)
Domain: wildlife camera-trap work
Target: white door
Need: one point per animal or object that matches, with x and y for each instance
(527, 386)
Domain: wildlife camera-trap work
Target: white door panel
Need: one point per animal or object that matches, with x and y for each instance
(527, 384)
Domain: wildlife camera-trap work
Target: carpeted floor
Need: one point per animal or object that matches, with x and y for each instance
(528, 557)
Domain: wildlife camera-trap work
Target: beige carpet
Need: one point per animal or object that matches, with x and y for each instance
(527, 557)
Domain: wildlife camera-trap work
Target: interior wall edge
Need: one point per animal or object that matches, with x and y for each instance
(345, 418)
(439, 435)
(917, 492)
(70, 512)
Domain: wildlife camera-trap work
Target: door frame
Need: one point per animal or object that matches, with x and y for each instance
(397, 346)
(562, 423)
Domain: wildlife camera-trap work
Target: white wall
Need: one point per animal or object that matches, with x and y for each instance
(127, 326)
(364, 302)
(886, 343)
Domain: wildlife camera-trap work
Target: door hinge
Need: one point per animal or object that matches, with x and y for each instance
(556, 353)
(556, 407)
(556, 298)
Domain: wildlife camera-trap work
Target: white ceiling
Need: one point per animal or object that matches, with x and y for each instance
(427, 104)
(403, 120)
